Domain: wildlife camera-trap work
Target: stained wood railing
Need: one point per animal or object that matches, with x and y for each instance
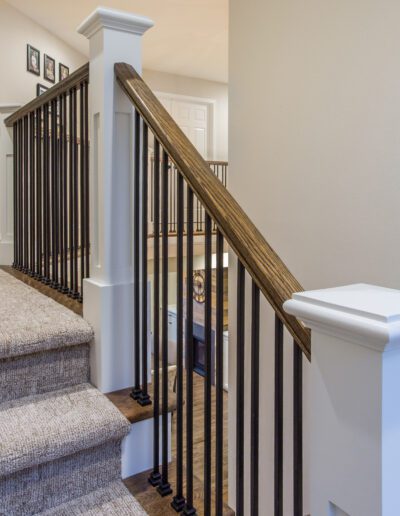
(257, 261)
(51, 185)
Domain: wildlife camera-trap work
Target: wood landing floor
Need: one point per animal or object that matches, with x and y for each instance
(147, 495)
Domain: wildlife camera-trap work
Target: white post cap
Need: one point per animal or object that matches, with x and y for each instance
(113, 19)
(365, 314)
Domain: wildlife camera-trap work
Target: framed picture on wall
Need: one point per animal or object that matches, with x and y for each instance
(40, 89)
(32, 59)
(63, 72)
(49, 72)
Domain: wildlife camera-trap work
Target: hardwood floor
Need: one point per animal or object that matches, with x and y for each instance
(147, 495)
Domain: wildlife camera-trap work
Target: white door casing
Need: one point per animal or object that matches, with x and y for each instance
(195, 116)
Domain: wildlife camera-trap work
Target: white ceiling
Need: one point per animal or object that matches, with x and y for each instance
(190, 37)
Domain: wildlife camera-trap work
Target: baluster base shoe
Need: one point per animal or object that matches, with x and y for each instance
(164, 489)
(154, 478)
(178, 503)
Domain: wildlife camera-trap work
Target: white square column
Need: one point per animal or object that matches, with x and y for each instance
(114, 36)
(354, 399)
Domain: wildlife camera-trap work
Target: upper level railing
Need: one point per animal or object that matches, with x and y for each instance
(51, 185)
(196, 182)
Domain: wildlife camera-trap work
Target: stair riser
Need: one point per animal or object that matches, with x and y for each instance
(40, 488)
(43, 372)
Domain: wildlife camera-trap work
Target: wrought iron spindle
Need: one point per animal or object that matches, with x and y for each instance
(155, 476)
(15, 192)
(70, 194)
(164, 488)
(255, 396)
(278, 419)
(144, 397)
(240, 390)
(46, 196)
(189, 509)
(26, 196)
(219, 376)
(54, 194)
(297, 430)
(74, 138)
(39, 174)
(82, 185)
(86, 181)
(208, 365)
(179, 500)
(136, 391)
(32, 173)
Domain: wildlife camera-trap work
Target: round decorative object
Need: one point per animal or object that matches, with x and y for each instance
(199, 287)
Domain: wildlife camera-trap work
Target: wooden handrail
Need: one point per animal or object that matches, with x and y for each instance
(81, 74)
(260, 260)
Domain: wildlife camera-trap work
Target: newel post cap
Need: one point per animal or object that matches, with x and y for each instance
(121, 21)
(365, 314)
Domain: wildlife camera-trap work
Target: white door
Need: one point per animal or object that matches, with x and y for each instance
(193, 118)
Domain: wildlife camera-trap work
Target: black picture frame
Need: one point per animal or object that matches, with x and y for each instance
(49, 68)
(40, 89)
(63, 71)
(32, 59)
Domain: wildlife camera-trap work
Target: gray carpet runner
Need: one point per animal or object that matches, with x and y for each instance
(60, 438)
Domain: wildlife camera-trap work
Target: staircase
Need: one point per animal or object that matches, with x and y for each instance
(60, 437)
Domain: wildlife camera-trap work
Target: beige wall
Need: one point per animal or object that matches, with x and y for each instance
(16, 30)
(314, 139)
(180, 85)
(314, 96)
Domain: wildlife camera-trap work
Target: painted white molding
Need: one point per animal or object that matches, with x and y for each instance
(121, 21)
(6, 186)
(114, 36)
(354, 410)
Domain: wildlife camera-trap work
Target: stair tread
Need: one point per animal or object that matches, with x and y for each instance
(32, 322)
(112, 500)
(41, 428)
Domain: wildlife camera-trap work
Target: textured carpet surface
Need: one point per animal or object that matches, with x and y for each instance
(113, 500)
(42, 372)
(42, 428)
(47, 485)
(31, 322)
(60, 438)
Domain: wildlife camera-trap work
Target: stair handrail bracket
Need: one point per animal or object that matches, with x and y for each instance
(262, 263)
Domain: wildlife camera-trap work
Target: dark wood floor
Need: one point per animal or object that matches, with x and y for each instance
(147, 495)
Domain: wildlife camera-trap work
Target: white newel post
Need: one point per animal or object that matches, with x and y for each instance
(354, 399)
(114, 36)
(6, 186)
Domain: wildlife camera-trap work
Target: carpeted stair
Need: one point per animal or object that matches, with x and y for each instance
(60, 438)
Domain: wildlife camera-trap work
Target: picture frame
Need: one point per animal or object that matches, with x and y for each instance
(40, 89)
(49, 68)
(32, 59)
(63, 71)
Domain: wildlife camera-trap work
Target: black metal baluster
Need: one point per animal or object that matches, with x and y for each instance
(75, 195)
(15, 192)
(87, 229)
(20, 195)
(297, 430)
(179, 501)
(64, 193)
(219, 376)
(255, 391)
(155, 476)
(164, 488)
(26, 196)
(189, 510)
(278, 418)
(82, 186)
(61, 194)
(32, 174)
(54, 192)
(144, 397)
(46, 187)
(39, 213)
(240, 391)
(71, 195)
(136, 391)
(208, 366)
